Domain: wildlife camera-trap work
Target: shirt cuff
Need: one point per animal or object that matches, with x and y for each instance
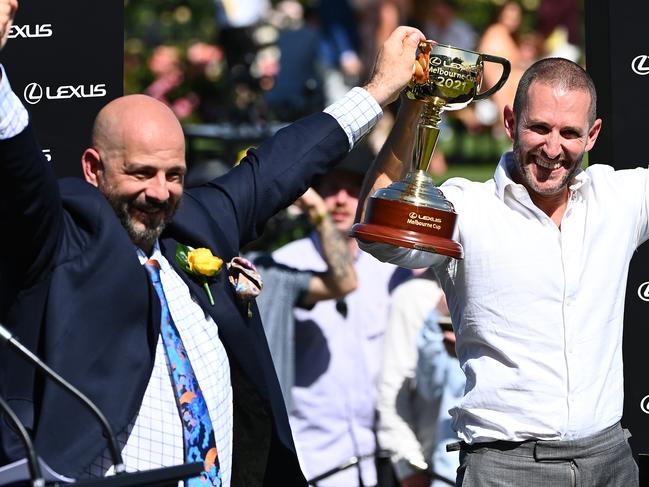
(357, 113)
(13, 115)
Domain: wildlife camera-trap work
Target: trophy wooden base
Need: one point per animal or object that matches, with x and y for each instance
(411, 226)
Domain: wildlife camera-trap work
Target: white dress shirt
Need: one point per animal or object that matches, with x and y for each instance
(13, 116)
(154, 438)
(538, 310)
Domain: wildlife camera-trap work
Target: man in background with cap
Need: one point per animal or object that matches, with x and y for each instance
(338, 345)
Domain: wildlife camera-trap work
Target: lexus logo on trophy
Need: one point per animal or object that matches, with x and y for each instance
(413, 212)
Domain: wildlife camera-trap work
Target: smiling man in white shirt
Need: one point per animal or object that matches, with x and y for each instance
(538, 321)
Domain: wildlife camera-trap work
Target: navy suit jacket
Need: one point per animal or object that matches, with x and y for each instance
(73, 291)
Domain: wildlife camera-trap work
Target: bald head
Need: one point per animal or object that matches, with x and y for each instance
(137, 160)
(135, 119)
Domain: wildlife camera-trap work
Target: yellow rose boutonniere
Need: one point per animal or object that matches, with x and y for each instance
(200, 264)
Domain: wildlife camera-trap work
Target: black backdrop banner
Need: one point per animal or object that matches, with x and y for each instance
(65, 60)
(617, 57)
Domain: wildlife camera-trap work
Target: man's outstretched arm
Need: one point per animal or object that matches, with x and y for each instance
(393, 160)
(29, 199)
(391, 164)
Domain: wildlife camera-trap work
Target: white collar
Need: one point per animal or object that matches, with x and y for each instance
(155, 254)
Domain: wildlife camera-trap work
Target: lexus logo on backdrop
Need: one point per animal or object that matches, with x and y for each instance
(644, 404)
(30, 31)
(640, 65)
(34, 92)
(643, 291)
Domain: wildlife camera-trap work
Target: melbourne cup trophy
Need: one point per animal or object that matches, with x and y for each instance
(413, 212)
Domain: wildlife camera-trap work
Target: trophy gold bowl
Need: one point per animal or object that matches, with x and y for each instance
(413, 212)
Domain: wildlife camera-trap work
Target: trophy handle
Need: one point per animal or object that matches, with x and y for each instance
(507, 67)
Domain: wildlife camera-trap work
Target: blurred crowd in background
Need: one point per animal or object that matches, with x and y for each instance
(265, 61)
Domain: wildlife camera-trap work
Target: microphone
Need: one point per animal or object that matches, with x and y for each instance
(7, 338)
(159, 477)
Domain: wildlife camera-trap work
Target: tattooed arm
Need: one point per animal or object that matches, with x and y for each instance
(340, 277)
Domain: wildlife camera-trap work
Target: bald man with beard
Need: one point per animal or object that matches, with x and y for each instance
(75, 289)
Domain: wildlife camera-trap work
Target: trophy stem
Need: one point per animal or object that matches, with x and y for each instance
(420, 188)
(432, 112)
(427, 134)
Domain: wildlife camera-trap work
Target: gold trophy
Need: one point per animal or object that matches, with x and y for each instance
(413, 212)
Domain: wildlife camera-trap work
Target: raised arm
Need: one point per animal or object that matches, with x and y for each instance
(393, 160)
(392, 163)
(340, 277)
(272, 176)
(7, 12)
(29, 200)
(394, 65)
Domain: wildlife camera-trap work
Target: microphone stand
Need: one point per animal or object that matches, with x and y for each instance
(24, 352)
(354, 460)
(32, 459)
(15, 472)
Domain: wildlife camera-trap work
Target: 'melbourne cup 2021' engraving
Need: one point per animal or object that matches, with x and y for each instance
(445, 78)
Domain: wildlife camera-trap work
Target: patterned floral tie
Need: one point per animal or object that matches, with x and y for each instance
(200, 445)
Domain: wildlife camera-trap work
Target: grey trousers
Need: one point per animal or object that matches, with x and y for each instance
(600, 460)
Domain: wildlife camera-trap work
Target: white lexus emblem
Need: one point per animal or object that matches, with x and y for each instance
(644, 404)
(643, 291)
(639, 65)
(33, 93)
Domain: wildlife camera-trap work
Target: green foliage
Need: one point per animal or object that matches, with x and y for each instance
(181, 23)
(177, 23)
(480, 13)
(169, 21)
(473, 172)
